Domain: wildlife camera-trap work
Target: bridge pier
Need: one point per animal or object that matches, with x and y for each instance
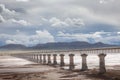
(40, 58)
(62, 60)
(84, 62)
(102, 68)
(44, 58)
(49, 59)
(54, 59)
(71, 66)
(37, 58)
(31, 57)
(34, 57)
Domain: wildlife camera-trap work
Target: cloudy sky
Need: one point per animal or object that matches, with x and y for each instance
(30, 22)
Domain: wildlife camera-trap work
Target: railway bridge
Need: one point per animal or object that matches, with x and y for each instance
(44, 56)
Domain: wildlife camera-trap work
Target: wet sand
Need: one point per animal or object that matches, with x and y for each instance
(18, 69)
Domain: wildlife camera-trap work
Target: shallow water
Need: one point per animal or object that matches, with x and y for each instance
(112, 62)
(8, 61)
(12, 64)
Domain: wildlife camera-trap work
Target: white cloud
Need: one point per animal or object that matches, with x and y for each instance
(5, 11)
(75, 21)
(57, 22)
(44, 19)
(76, 37)
(71, 16)
(22, 0)
(22, 38)
(9, 16)
(105, 37)
(21, 22)
(67, 22)
(92, 16)
(14, 21)
(105, 1)
(118, 33)
(2, 19)
(92, 12)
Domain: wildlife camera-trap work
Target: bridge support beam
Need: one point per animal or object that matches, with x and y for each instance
(44, 58)
(62, 60)
(102, 68)
(49, 59)
(54, 59)
(84, 62)
(71, 66)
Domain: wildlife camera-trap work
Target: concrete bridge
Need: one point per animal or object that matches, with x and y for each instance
(44, 56)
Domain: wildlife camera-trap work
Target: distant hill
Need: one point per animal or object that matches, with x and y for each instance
(57, 45)
(13, 47)
(71, 45)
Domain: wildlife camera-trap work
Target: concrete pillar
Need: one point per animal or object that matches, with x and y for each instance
(54, 59)
(71, 66)
(40, 58)
(37, 58)
(44, 58)
(49, 59)
(102, 63)
(62, 60)
(30, 56)
(33, 56)
(84, 62)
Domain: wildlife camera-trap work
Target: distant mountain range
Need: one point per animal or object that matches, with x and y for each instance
(13, 47)
(57, 45)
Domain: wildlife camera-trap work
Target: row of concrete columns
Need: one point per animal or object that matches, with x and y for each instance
(38, 58)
